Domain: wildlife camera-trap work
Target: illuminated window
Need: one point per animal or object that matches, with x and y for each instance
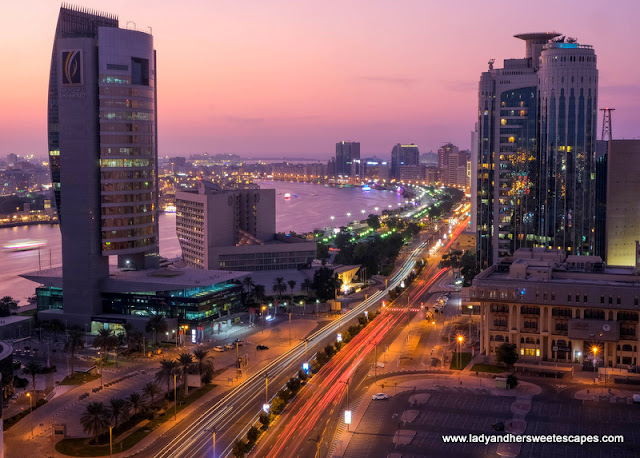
(512, 139)
(503, 121)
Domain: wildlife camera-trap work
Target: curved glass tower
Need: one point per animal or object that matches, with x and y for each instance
(102, 149)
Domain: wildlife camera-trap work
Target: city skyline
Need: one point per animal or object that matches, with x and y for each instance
(275, 90)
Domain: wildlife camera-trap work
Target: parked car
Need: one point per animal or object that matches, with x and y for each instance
(218, 348)
(379, 396)
(261, 347)
(230, 346)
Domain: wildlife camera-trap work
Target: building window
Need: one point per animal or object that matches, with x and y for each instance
(602, 299)
(568, 297)
(584, 298)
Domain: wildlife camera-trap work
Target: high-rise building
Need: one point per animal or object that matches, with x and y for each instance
(443, 156)
(623, 205)
(602, 147)
(347, 156)
(102, 130)
(235, 229)
(452, 165)
(536, 150)
(403, 155)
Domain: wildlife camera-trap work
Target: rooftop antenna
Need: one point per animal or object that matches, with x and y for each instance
(491, 61)
(606, 124)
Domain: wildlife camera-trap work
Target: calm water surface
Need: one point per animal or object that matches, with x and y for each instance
(310, 206)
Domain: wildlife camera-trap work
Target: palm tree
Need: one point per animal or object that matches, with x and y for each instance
(105, 341)
(32, 368)
(185, 360)
(151, 390)
(307, 284)
(118, 410)
(168, 368)
(135, 340)
(157, 324)
(279, 286)
(203, 364)
(259, 292)
(8, 305)
(94, 420)
(75, 340)
(56, 326)
(248, 285)
(292, 285)
(135, 402)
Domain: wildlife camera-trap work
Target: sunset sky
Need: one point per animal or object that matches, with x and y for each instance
(272, 78)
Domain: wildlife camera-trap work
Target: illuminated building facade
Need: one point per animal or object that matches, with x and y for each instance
(535, 144)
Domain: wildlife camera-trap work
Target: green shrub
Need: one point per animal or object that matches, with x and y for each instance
(252, 434)
(265, 419)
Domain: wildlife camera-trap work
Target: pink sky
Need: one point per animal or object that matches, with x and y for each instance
(284, 78)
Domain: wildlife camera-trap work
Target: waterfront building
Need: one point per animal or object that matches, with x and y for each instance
(403, 155)
(376, 169)
(235, 229)
(102, 134)
(536, 149)
(411, 172)
(623, 205)
(347, 156)
(558, 308)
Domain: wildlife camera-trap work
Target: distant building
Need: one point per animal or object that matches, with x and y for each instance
(403, 155)
(454, 165)
(234, 229)
(443, 157)
(411, 172)
(376, 169)
(556, 308)
(331, 167)
(347, 156)
(431, 175)
(602, 147)
(623, 202)
(429, 158)
(12, 158)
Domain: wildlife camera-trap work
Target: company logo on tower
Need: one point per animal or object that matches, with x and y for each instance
(71, 68)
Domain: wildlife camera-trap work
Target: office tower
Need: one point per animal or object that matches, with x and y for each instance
(403, 155)
(102, 150)
(235, 229)
(536, 149)
(443, 156)
(452, 164)
(623, 205)
(347, 153)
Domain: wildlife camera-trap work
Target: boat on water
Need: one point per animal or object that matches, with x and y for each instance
(287, 196)
(23, 244)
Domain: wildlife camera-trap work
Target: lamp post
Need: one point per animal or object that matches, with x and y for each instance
(594, 349)
(110, 441)
(289, 328)
(347, 383)
(470, 320)
(266, 388)
(175, 398)
(460, 340)
(31, 410)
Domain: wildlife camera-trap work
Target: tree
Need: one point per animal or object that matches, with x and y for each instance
(322, 252)
(373, 221)
(203, 364)
(259, 293)
(248, 285)
(94, 420)
(56, 326)
(325, 283)
(279, 286)
(469, 267)
(306, 285)
(151, 390)
(75, 340)
(8, 305)
(252, 434)
(105, 341)
(117, 411)
(157, 324)
(32, 368)
(135, 402)
(507, 354)
(185, 361)
(168, 368)
(292, 285)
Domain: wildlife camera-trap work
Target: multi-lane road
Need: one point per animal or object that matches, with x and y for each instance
(231, 415)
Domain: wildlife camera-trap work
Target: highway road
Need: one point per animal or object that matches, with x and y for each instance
(231, 415)
(307, 427)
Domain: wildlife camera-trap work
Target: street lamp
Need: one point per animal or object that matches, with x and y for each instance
(595, 349)
(460, 340)
(470, 307)
(31, 410)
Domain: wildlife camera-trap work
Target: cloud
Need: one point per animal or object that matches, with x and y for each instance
(392, 80)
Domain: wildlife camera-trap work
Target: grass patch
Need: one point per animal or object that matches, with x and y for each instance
(491, 368)
(80, 447)
(465, 358)
(78, 379)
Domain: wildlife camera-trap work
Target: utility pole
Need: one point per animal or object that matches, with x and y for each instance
(289, 328)
(175, 397)
(607, 127)
(266, 388)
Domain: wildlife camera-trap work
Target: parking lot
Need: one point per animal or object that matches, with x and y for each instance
(463, 411)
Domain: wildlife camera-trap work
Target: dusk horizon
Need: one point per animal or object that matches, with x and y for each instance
(291, 80)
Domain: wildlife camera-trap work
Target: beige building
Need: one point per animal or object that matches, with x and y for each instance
(557, 308)
(623, 204)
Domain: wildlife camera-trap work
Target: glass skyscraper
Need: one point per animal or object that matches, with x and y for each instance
(535, 176)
